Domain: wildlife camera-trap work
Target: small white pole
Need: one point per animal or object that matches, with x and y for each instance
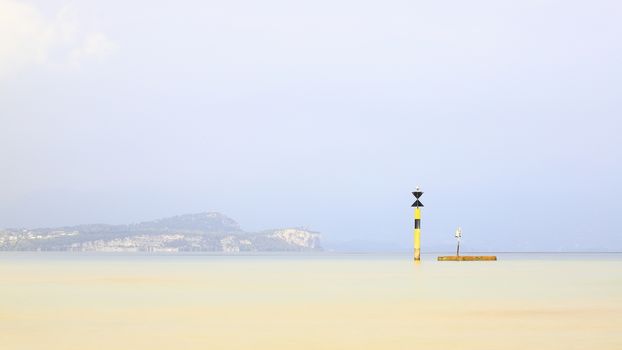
(458, 236)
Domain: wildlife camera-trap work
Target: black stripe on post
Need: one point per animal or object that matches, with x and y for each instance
(417, 223)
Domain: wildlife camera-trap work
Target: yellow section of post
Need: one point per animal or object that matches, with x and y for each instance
(417, 235)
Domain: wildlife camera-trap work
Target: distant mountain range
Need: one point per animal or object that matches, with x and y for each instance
(211, 232)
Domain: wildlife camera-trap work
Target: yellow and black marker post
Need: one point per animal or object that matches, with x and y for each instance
(417, 205)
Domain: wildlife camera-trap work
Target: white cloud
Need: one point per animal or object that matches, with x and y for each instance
(28, 38)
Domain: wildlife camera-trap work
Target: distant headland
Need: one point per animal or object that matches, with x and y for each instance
(208, 232)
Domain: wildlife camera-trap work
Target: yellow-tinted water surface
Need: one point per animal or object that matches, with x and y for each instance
(77, 301)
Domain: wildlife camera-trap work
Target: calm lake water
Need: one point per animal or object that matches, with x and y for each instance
(322, 301)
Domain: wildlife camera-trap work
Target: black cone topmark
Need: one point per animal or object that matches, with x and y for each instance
(417, 204)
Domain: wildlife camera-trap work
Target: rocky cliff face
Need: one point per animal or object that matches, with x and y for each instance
(192, 232)
(298, 237)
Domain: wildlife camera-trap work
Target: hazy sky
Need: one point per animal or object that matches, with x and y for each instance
(324, 114)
